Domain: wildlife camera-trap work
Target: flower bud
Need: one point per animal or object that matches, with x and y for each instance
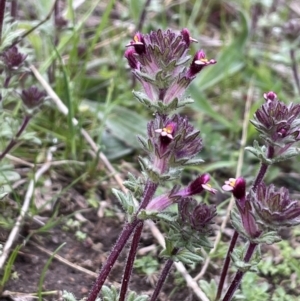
(197, 216)
(13, 59)
(274, 207)
(187, 37)
(278, 123)
(32, 97)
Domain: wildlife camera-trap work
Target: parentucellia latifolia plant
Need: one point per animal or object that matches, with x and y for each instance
(162, 64)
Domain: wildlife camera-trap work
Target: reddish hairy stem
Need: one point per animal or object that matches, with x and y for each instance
(113, 256)
(263, 169)
(163, 276)
(226, 265)
(14, 9)
(150, 189)
(130, 260)
(239, 274)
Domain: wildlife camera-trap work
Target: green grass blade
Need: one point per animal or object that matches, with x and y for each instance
(43, 274)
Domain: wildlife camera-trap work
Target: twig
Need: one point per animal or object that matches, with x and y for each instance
(65, 261)
(14, 232)
(23, 296)
(238, 173)
(143, 16)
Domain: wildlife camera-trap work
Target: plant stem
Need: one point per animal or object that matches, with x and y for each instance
(143, 16)
(263, 169)
(226, 265)
(260, 175)
(239, 274)
(295, 69)
(130, 260)
(149, 191)
(14, 141)
(14, 9)
(163, 276)
(2, 11)
(6, 82)
(113, 256)
(148, 194)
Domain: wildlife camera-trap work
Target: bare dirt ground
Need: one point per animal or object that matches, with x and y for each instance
(88, 254)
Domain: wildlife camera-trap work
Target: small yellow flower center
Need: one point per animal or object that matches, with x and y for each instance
(168, 129)
(136, 38)
(232, 182)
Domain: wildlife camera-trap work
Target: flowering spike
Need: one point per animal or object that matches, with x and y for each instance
(159, 61)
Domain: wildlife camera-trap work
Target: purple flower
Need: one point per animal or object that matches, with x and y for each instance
(197, 186)
(174, 140)
(237, 186)
(238, 189)
(274, 207)
(138, 43)
(278, 123)
(199, 62)
(32, 97)
(13, 59)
